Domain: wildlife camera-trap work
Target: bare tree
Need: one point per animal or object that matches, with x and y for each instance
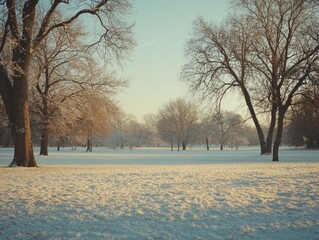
(225, 125)
(166, 127)
(20, 39)
(138, 134)
(52, 69)
(94, 112)
(206, 126)
(177, 121)
(63, 71)
(117, 128)
(267, 52)
(218, 61)
(287, 51)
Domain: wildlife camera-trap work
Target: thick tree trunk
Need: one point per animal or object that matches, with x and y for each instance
(15, 98)
(221, 147)
(21, 128)
(280, 127)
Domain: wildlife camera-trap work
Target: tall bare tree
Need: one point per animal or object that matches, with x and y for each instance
(286, 53)
(218, 61)
(20, 39)
(267, 52)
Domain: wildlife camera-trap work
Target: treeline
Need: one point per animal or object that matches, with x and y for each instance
(178, 125)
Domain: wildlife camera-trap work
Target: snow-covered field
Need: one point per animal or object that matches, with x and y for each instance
(159, 194)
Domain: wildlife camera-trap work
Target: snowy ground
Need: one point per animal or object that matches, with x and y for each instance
(159, 194)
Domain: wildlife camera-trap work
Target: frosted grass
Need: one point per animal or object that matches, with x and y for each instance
(158, 194)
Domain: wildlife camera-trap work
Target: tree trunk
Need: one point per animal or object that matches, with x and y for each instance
(221, 147)
(262, 142)
(207, 144)
(271, 129)
(184, 145)
(15, 98)
(21, 128)
(89, 145)
(44, 141)
(280, 127)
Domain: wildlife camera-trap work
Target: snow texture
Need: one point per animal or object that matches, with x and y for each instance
(158, 194)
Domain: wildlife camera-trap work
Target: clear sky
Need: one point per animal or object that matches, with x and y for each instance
(162, 28)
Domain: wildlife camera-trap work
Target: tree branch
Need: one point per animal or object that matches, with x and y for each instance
(44, 30)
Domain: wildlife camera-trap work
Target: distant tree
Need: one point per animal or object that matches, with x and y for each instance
(138, 134)
(176, 122)
(117, 128)
(225, 126)
(303, 127)
(167, 127)
(21, 38)
(150, 122)
(206, 128)
(117, 138)
(94, 111)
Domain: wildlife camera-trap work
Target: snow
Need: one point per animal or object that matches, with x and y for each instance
(159, 194)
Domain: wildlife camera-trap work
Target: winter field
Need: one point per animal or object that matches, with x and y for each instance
(159, 194)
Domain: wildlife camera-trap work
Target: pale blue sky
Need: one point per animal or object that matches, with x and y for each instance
(161, 30)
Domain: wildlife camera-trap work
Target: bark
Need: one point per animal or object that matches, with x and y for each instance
(44, 141)
(262, 142)
(271, 129)
(207, 144)
(221, 147)
(280, 127)
(15, 99)
(21, 128)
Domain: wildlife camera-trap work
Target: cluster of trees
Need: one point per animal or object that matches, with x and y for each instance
(47, 67)
(303, 125)
(268, 51)
(180, 124)
(126, 131)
